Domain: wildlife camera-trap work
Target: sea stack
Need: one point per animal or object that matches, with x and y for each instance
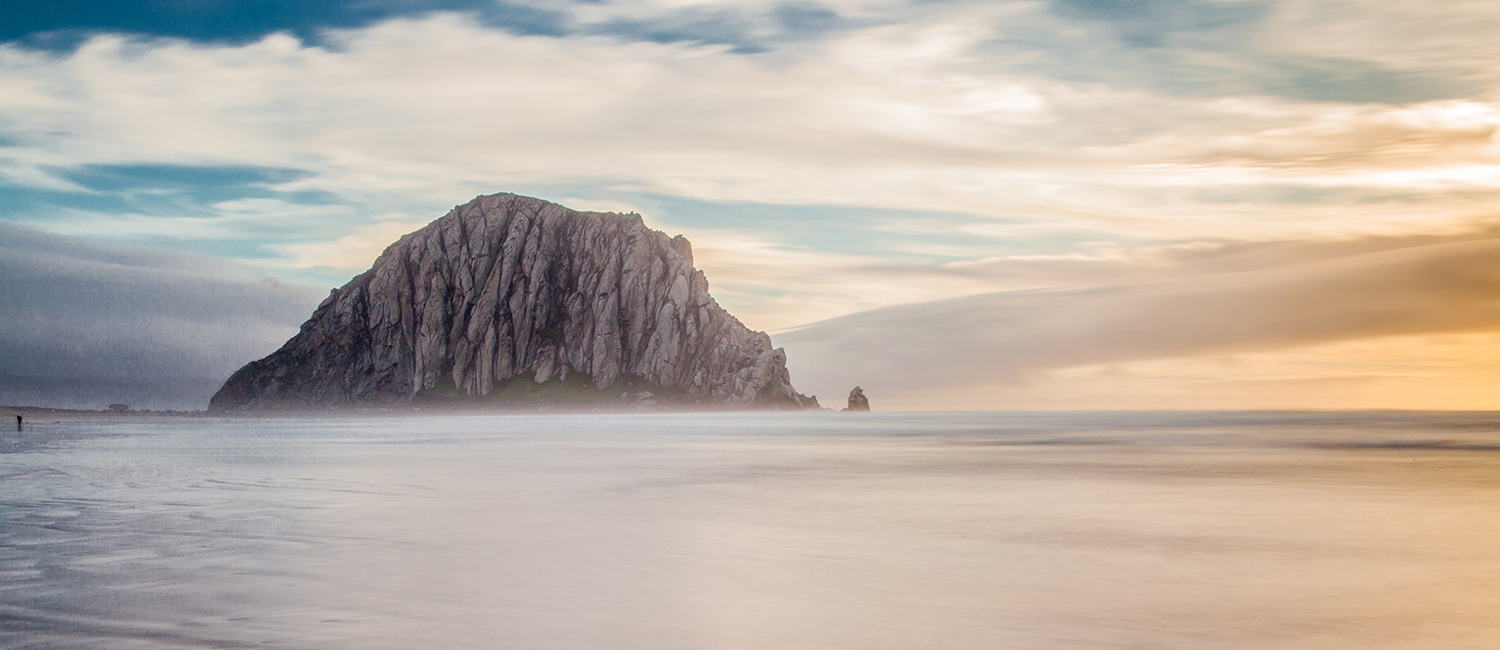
(506, 293)
(857, 400)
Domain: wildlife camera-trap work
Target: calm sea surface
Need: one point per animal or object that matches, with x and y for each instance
(1198, 531)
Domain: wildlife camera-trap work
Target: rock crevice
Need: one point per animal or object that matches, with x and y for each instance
(507, 285)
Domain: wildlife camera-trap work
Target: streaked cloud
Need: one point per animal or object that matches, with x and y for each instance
(355, 252)
(911, 115)
(85, 324)
(1004, 341)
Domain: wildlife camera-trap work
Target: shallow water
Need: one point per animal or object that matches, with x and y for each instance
(1198, 531)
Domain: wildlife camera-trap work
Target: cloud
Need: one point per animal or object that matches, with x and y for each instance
(887, 108)
(149, 188)
(1370, 139)
(1455, 39)
(1216, 48)
(355, 252)
(82, 322)
(911, 115)
(1154, 23)
(720, 26)
(1011, 338)
(1422, 371)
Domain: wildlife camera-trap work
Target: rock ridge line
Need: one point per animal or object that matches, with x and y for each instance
(506, 287)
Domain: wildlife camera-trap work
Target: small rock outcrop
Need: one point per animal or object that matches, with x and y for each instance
(857, 400)
(507, 288)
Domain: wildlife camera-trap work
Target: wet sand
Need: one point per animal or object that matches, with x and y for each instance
(1219, 531)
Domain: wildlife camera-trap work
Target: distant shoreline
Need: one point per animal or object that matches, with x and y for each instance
(37, 413)
(43, 413)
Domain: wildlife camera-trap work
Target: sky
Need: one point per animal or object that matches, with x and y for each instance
(1057, 204)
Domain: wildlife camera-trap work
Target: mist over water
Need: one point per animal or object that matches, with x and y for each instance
(950, 530)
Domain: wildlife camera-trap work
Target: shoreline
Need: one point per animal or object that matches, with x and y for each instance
(43, 414)
(40, 413)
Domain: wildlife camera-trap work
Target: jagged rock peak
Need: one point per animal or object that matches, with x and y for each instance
(857, 400)
(508, 286)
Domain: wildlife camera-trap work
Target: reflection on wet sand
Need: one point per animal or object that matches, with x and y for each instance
(1093, 530)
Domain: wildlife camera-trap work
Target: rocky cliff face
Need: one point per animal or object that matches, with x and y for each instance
(857, 400)
(506, 288)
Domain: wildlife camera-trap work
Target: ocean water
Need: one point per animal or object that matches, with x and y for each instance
(1198, 531)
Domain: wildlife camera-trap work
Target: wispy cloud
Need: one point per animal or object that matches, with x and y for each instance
(910, 115)
(355, 252)
(89, 322)
(1011, 338)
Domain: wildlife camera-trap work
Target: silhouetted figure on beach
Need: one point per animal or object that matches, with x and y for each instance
(18, 423)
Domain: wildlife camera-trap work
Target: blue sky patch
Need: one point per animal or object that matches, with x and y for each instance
(1350, 80)
(62, 24)
(805, 18)
(886, 233)
(709, 27)
(1155, 23)
(114, 178)
(185, 189)
(25, 203)
(167, 192)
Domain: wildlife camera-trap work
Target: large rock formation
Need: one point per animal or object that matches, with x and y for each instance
(857, 400)
(508, 289)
